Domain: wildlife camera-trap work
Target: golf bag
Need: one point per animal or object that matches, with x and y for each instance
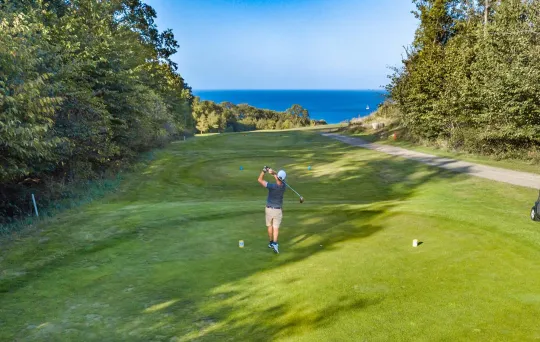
(535, 211)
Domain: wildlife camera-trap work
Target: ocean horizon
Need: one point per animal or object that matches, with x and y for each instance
(333, 106)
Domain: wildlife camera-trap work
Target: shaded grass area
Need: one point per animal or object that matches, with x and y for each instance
(384, 136)
(74, 195)
(159, 260)
(54, 197)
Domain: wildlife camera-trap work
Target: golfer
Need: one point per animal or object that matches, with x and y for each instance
(274, 204)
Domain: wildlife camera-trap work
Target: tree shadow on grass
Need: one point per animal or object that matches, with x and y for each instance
(392, 180)
(218, 311)
(282, 320)
(190, 304)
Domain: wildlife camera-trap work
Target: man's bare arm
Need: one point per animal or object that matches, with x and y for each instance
(261, 180)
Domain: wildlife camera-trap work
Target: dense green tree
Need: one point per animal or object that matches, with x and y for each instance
(202, 124)
(471, 76)
(214, 120)
(27, 105)
(244, 117)
(85, 86)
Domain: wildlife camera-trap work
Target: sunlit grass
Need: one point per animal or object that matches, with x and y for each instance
(511, 164)
(159, 260)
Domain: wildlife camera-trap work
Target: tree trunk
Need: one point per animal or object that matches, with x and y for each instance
(470, 10)
(486, 13)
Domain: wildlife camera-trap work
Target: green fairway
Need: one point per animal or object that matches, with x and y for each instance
(159, 259)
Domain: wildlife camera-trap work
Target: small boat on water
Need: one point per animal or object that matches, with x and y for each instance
(367, 108)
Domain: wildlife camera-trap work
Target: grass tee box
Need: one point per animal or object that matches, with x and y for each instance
(159, 260)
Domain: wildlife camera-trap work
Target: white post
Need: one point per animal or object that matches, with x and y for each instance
(35, 205)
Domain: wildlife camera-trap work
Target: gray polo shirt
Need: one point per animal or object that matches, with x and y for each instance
(275, 195)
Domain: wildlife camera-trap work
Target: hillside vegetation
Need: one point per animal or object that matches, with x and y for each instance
(85, 86)
(471, 78)
(228, 117)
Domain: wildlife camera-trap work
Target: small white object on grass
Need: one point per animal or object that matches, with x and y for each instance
(415, 243)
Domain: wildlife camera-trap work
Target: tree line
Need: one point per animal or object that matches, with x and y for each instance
(471, 77)
(228, 117)
(85, 86)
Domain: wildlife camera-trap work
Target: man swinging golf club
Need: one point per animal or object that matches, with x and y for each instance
(274, 203)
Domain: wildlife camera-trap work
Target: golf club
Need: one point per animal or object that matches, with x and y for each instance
(301, 198)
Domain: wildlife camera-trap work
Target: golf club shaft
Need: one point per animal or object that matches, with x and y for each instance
(292, 189)
(301, 198)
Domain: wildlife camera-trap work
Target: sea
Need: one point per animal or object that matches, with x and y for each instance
(333, 106)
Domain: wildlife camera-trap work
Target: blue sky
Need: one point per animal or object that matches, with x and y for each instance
(287, 44)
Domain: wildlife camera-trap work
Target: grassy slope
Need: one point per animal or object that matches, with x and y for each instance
(160, 261)
(518, 165)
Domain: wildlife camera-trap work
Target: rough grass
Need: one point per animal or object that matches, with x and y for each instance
(159, 259)
(384, 136)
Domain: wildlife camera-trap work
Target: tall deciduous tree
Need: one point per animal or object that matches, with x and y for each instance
(26, 105)
(85, 86)
(471, 76)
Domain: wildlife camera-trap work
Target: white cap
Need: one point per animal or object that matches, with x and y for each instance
(281, 174)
